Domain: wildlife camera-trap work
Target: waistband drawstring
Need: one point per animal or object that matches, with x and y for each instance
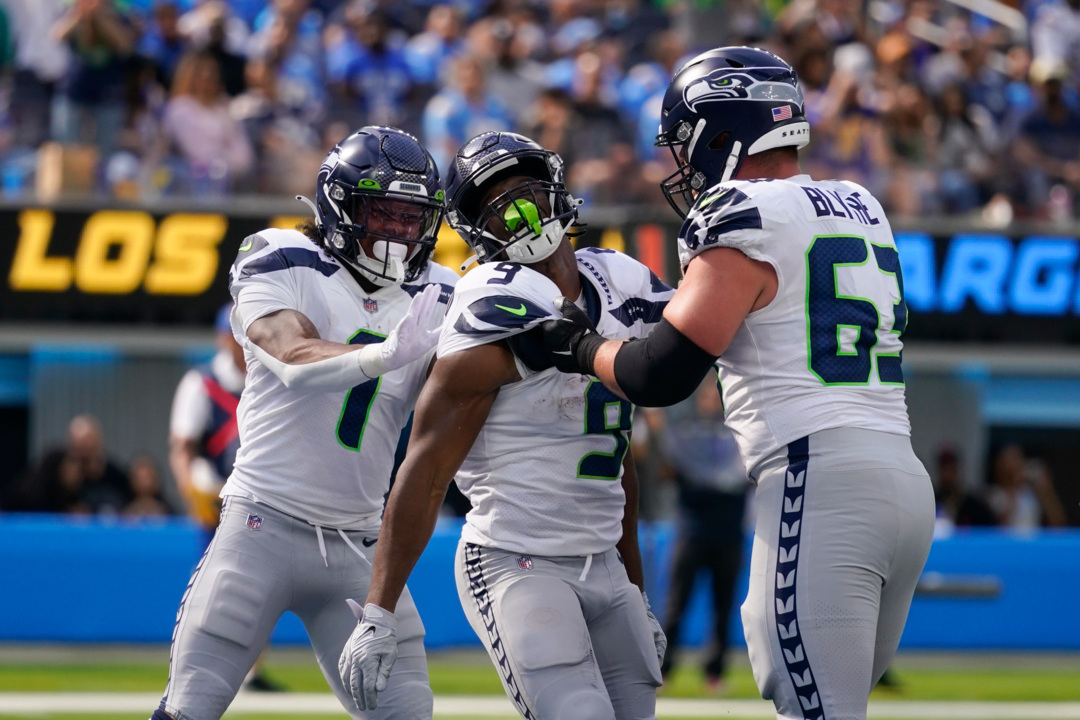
(322, 545)
(585, 570)
(352, 546)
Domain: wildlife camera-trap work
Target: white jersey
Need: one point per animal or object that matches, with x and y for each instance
(544, 473)
(323, 457)
(825, 353)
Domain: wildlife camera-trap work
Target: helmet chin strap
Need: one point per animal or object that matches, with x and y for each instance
(732, 161)
(310, 204)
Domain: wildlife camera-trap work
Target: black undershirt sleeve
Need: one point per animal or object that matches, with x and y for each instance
(661, 369)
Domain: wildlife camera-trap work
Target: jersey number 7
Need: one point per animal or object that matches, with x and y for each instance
(357, 408)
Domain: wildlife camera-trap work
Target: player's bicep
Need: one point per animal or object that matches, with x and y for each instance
(282, 332)
(721, 287)
(453, 406)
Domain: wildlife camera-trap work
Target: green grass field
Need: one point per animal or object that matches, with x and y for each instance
(919, 677)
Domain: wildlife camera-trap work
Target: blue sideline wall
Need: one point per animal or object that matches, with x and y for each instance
(92, 580)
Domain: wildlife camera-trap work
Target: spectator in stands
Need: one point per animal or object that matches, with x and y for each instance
(91, 95)
(79, 477)
(211, 17)
(215, 40)
(40, 63)
(1023, 496)
(428, 54)
(956, 507)
(368, 73)
(551, 122)
(849, 140)
(712, 500)
(288, 37)
(511, 76)
(147, 500)
(1048, 147)
(600, 144)
(461, 111)
(966, 153)
(288, 143)
(1055, 34)
(212, 145)
(646, 79)
(162, 43)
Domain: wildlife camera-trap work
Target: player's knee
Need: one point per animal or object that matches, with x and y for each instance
(413, 700)
(590, 705)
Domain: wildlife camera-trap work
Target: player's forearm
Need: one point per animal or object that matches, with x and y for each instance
(661, 369)
(338, 372)
(409, 521)
(604, 366)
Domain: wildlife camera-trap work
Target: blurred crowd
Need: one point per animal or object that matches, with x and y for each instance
(936, 106)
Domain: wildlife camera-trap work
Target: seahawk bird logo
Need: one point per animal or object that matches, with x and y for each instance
(718, 85)
(765, 83)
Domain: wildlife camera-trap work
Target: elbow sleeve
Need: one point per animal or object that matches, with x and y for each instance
(661, 369)
(342, 372)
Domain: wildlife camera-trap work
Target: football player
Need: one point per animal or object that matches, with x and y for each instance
(339, 323)
(795, 286)
(548, 567)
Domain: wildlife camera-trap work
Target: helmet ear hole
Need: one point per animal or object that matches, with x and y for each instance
(720, 140)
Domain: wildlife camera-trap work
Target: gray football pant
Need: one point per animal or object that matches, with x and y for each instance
(247, 579)
(568, 644)
(845, 518)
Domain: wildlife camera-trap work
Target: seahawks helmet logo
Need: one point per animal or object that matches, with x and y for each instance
(767, 83)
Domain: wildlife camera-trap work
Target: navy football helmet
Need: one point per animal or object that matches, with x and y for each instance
(379, 183)
(722, 106)
(524, 223)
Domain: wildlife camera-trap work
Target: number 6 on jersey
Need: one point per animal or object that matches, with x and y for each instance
(855, 312)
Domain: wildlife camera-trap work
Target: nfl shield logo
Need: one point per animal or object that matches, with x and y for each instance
(254, 522)
(372, 306)
(525, 562)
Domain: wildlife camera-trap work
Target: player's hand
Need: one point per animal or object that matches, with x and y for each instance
(369, 654)
(417, 332)
(571, 341)
(659, 638)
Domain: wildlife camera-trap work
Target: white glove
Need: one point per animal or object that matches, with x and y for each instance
(369, 654)
(411, 338)
(658, 636)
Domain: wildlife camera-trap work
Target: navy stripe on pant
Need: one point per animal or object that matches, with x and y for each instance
(787, 567)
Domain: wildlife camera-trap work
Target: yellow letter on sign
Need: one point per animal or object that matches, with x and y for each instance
(132, 232)
(32, 270)
(186, 254)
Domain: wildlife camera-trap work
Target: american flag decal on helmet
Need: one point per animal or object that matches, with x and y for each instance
(781, 113)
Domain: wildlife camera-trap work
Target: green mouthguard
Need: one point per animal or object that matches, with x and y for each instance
(522, 211)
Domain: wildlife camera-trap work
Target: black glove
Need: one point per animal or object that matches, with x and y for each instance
(571, 342)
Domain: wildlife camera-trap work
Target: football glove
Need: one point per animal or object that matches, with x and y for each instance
(369, 654)
(571, 342)
(658, 636)
(412, 337)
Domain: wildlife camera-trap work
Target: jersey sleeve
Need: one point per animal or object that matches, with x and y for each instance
(261, 279)
(637, 296)
(728, 215)
(496, 302)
